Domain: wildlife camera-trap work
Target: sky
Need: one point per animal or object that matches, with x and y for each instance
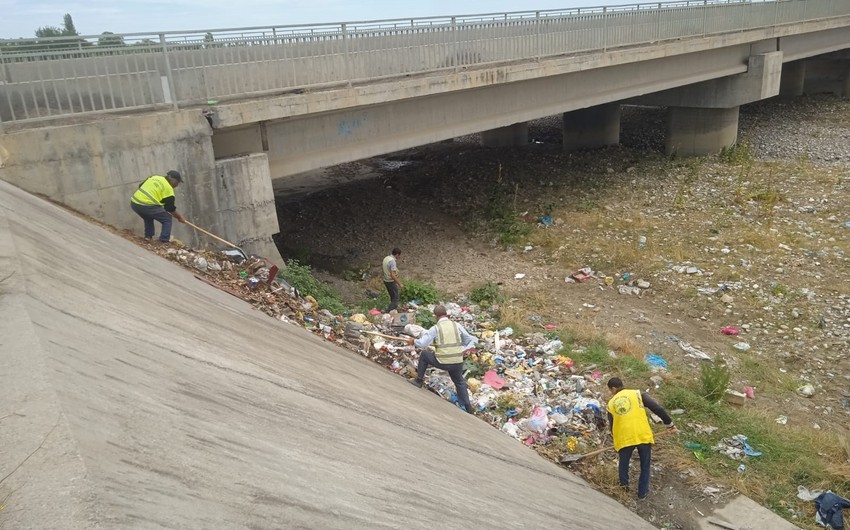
(20, 18)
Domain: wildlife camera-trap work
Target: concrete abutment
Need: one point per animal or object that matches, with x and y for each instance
(94, 167)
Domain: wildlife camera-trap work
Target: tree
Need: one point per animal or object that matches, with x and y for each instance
(51, 32)
(68, 23)
(67, 29)
(109, 39)
(45, 32)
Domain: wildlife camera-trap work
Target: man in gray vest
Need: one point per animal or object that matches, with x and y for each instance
(450, 339)
(394, 286)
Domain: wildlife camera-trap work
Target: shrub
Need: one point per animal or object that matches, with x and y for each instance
(714, 379)
(426, 319)
(424, 293)
(487, 294)
(301, 277)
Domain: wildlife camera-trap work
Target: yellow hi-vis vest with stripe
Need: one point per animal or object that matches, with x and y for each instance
(448, 345)
(153, 191)
(631, 426)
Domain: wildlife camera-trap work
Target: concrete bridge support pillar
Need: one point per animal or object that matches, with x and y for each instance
(828, 75)
(592, 127)
(245, 210)
(793, 79)
(700, 131)
(515, 135)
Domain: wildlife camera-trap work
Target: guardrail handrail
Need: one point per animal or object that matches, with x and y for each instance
(44, 78)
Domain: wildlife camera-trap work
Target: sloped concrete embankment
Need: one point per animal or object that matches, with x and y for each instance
(134, 395)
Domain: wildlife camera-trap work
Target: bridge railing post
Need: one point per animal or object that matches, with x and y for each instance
(345, 57)
(605, 29)
(455, 53)
(539, 30)
(704, 16)
(658, 23)
(171, 97)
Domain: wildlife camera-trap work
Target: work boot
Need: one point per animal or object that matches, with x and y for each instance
(416, 382)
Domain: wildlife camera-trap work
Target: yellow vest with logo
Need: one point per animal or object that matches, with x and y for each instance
(631, 426)
(153, 191)
(448, 344)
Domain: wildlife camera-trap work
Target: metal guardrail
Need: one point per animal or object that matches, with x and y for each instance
(46, 78)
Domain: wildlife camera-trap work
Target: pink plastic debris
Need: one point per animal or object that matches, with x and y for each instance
(730, 330)
(374, 312)
(492, 378)
(750, 392)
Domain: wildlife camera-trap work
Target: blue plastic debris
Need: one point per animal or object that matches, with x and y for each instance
(655, 361)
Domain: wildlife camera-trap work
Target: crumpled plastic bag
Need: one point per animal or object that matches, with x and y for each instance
(413, 330)
(539, 420)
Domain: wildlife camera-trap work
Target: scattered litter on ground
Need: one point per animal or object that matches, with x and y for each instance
(806, 390)
(829, 507)
(736, 447)
(655, 362)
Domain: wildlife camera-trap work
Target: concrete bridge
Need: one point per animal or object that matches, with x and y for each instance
(83, 123)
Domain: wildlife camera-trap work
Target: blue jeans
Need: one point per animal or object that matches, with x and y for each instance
(154, 212)
(645, 453)
(427, 357)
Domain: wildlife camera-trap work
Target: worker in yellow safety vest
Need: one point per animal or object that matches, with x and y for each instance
(450, 340)
(154, 201)
(630, 430)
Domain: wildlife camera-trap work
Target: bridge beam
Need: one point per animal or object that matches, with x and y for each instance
(592, 128)
(515, 135)
(760, 81)
(793, 79)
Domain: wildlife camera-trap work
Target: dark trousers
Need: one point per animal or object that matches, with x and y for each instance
(429, 358)
(645, 453)
(392, 289)
(151, 213)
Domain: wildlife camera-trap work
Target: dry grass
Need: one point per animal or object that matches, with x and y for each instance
(626, 344)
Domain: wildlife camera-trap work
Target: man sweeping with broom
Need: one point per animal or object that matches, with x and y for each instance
(154, 201)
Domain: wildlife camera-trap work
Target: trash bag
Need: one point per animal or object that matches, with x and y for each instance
(539, 420)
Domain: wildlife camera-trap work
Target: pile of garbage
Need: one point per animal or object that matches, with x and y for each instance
(522, 385)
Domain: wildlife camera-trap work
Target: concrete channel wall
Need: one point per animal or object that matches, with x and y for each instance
(94, 168)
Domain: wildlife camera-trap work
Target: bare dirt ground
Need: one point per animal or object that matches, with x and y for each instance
(763, 229)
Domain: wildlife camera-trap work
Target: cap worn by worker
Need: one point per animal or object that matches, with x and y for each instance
(174, 175)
